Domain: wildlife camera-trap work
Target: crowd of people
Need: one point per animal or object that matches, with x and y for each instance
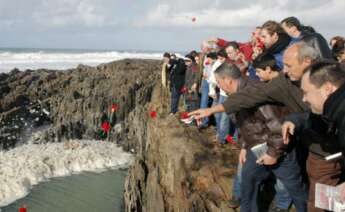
(281, 97)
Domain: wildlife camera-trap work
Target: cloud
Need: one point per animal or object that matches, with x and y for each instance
(69, 13)
(224, 13)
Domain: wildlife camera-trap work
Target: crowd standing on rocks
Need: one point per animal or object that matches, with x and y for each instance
(280, 98)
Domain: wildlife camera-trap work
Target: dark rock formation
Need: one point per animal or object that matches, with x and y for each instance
(70, 103)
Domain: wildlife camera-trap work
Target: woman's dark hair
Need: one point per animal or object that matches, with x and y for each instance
(266, 60)
(212, 55)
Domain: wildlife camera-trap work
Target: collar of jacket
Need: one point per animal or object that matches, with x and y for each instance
(334, 108)
(281, 44)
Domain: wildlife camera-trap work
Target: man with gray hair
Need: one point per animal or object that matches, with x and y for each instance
(261, 126)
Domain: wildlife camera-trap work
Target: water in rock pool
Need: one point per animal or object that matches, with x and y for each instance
(86, 192)
(79, 175)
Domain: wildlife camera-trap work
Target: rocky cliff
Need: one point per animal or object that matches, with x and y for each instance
(178, 168)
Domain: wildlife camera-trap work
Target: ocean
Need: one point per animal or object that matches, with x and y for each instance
(61, 59)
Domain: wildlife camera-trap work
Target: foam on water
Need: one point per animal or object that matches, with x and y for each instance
(63, 59)
(27, 165)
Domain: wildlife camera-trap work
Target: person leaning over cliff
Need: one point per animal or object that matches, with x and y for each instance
(260, 125)
(323, 85)
(177, 70)
(299, 32)
(191, 96)
(267, 70)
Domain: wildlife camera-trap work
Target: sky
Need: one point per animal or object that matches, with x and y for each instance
(153, 25)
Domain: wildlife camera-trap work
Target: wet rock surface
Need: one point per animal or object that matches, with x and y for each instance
(69, 104)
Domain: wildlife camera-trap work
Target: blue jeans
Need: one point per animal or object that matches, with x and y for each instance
(287, 170)
(236, 185)
(204, 99)
(224, 124)
(191, 101)
(175, 98)
(282, 197)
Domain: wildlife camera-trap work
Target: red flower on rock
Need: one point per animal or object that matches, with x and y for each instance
(114, 107)
(22, 209)
(106, 126)
(230, 139)
(153, 114)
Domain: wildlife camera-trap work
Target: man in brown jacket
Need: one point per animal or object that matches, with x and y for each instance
(262, 143)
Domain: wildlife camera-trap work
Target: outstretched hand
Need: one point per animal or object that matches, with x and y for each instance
(201, 113)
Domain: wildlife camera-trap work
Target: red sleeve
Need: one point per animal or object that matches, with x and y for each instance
(247, 50)
(221, 42)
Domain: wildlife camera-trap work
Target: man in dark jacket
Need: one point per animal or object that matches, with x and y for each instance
(191, 84)
(177, 70)
(275, 40)
(297, 32)
(261, 125)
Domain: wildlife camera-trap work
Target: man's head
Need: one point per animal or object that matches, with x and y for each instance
(292, 26)
(166, 57)
(232, 50)
(319, 81)
(211, 58)
(222, 55)
(296, 58)
(266, 67)
(270, 33)
(227, 77)
(189, 60)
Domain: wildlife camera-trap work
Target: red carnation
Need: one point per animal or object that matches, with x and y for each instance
(230, 140)
(22, 209)
(153, 114)
(106, 126)
(114, 107)
(184, 115)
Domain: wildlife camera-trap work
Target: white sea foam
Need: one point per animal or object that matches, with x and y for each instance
(27, 165)
(63, 60)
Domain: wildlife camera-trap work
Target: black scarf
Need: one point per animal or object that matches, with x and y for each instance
(281, 44)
